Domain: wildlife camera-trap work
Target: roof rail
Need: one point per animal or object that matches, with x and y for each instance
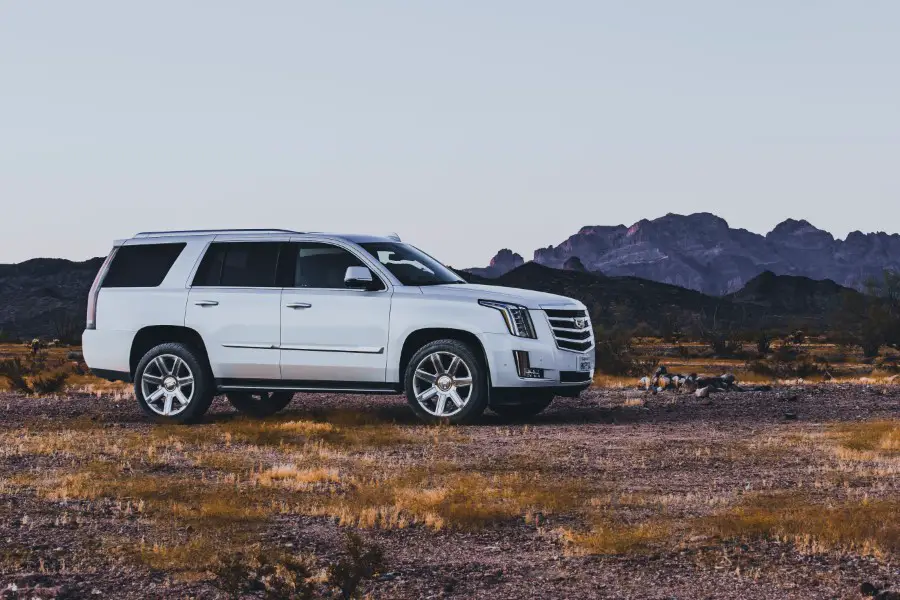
(145, 234)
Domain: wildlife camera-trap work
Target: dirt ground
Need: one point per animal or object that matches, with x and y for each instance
(791, 493)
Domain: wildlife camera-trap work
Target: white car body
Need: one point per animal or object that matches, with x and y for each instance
(284, 338)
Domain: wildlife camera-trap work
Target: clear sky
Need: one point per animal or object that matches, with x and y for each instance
(464, 126)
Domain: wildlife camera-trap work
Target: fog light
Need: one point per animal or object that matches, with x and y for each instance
(524, 368)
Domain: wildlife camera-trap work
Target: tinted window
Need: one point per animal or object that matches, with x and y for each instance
(410, 265)
(144, 265)
(323, 265)
(239, 264)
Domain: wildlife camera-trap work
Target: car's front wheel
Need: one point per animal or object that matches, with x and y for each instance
(173, 384)
(446, 381)
(259, 404)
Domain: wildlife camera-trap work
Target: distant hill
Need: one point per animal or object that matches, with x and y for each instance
(702, 252)
(45, 296)
(787, 295)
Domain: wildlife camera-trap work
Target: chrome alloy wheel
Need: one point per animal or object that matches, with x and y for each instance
(167, 384)
(442, 384)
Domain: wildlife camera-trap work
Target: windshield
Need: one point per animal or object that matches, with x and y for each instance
(410, 265)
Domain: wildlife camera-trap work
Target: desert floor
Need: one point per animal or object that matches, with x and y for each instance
(791, 493)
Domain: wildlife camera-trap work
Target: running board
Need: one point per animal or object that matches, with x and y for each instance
(343, 387)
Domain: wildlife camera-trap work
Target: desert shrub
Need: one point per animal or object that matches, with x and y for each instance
(723, 343)
(277, 577)
(891, 364)
(362, 561)
(14, 371)
(763, 343)
(788, 362)
(38, 362)
(49, 383)
(613, 353)
(797, 337)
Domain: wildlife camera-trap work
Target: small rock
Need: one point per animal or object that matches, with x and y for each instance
(702, 392)
(789, 416)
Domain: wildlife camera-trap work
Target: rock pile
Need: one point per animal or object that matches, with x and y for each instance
(701, 386)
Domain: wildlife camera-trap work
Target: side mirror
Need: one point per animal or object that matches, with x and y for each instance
(358, 278)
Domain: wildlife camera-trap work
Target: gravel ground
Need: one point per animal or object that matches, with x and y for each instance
(685, 449)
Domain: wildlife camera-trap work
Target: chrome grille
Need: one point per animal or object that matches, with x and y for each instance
(568, 335)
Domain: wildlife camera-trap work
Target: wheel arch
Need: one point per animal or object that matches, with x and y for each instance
(418, 338)
(148, 337)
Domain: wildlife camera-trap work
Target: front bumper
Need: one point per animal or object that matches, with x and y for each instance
(560, 367)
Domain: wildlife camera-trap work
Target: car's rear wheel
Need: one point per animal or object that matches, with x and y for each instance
(446, 381)
(173, 384)
(531, 403)
(259, 404)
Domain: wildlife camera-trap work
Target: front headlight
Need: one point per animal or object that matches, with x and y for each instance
(518, 319)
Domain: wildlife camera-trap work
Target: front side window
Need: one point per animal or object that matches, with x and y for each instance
(322, 265)
(141, 265)
(410, 265)
(239, 264)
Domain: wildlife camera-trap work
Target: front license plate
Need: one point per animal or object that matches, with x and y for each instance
(585, 364)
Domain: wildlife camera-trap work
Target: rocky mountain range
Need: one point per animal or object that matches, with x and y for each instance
(702, 252)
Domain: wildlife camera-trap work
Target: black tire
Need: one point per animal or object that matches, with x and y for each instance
(477, 400)
(531, 405)
(259, 404)
(203, 383)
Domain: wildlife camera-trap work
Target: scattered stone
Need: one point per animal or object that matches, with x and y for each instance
(789, 416)
(702, 392)
(888, 595)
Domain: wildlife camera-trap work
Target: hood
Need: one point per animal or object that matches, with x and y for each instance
(527, 298)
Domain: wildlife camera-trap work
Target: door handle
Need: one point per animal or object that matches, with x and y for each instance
(206, 303)
(298, 305)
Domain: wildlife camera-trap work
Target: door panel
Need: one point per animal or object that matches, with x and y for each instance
(241, 329)
(330, 332)
(334, 335)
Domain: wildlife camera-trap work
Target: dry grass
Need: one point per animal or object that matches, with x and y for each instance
(226, 480)
(866, 527)
(869, 439)
(450, 495)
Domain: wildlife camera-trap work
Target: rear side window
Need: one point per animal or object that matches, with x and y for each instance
(238, 264)
(144, 265)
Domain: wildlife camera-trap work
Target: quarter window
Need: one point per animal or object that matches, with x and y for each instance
(239, 264)
(141, 265)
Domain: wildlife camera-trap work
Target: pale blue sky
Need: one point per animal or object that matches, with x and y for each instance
(465, 126)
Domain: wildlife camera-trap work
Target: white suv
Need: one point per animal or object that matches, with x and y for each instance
(261, 314)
